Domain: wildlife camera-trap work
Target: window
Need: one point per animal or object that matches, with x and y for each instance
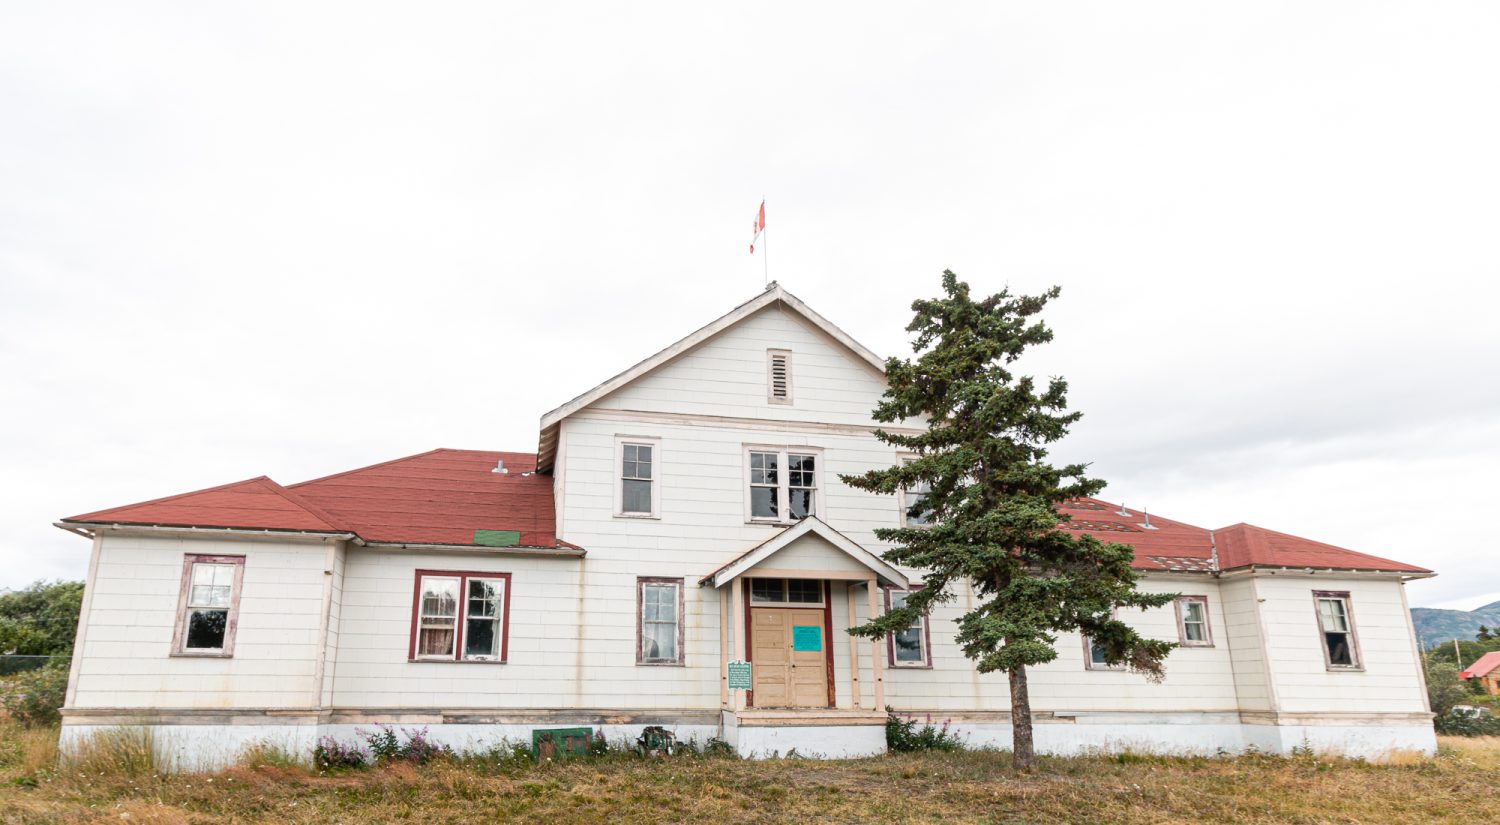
(910, 647)
(786, 591)
(1192, 622)
(208, 605)
(460, 616)
(782, 485)
(914, 512)
(1094, 657)
(636, 470)
(658, 621)
(779, 376)
(1336, 624)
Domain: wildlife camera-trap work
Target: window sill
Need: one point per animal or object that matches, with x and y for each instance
(1345, 668)
(203, 654)
(455, 661)
(772, 522)
(647, 516)
(927, 666)
(661, 664)
(1197, 645)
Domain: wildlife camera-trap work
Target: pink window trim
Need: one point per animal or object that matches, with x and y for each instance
(890, 639)
(1354, 650)
(463, 577)
(179, 638)
(640, 618)
(1208, 626)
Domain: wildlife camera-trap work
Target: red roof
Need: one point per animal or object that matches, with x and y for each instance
(1173, 545)
(1167, 545)
(445, 496)
(442, 497)
(1482, 666)
(437, 497)
(257, 503)
(1243, 545)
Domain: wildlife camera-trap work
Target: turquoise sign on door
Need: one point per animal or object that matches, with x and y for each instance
(807, 637)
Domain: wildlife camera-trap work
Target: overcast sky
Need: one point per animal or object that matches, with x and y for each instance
(292, 240)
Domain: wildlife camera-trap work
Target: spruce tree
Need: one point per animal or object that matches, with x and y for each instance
(993, 520)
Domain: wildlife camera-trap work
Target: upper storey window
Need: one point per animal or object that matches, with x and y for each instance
(782, 485)
(779, 376)
(914, 510)
(636, 466)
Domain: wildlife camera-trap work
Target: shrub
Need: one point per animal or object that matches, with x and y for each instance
(332, 755)
(1459, 723)
(386, 746)
(35, 696)
(903, 736)
(718, 747)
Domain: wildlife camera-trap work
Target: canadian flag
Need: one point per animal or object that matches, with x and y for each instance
(760, 226)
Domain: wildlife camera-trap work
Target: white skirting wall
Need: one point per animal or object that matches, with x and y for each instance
(198, 742)
(1211, 734)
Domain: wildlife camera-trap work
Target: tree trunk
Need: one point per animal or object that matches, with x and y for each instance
(1023, 749)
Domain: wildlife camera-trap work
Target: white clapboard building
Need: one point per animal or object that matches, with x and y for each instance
(683, 515)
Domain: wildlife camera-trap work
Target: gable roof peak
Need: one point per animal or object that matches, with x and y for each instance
(773, 294)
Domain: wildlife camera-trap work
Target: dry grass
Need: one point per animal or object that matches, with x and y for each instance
(955, 787)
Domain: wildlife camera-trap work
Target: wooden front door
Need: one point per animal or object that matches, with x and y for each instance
(789, 659)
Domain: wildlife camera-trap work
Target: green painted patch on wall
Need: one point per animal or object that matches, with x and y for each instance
(497, 538)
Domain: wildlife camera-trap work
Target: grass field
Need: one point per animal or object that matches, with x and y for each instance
(115, 784)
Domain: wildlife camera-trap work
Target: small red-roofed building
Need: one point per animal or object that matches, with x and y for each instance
(1485, 671)
(680, 551)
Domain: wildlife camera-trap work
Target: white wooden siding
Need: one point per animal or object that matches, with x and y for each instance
(125, 661)
(726, 376)
(1389, 681)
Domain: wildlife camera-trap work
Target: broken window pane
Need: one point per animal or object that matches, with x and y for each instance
(206, 629)
(764, 502)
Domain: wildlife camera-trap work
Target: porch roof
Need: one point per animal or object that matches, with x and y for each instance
(737, 567)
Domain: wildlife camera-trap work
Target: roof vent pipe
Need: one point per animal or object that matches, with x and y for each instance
(500, 467)
(1146, 525)
(1122, 511)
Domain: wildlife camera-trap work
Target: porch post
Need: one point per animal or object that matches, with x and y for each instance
(853, 648)
(877, 662)
(723, 648)
(736, 615)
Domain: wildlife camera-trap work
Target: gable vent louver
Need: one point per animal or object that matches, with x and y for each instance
(779, 376)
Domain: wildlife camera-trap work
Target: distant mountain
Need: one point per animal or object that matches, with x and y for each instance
(1436, 626)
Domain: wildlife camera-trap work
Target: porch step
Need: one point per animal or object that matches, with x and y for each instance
(804, 717)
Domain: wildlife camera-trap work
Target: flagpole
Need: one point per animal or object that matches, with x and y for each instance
(765, 246)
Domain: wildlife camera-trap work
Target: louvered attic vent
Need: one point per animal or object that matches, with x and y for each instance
(779, 376)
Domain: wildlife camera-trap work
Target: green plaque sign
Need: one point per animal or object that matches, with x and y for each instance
(807, 637)
(739, 676)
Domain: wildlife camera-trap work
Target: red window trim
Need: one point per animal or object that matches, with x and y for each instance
(1208, 625)
(890, 639)
(231, 625)
(826, 607)
(463, 606)
(640, 636)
